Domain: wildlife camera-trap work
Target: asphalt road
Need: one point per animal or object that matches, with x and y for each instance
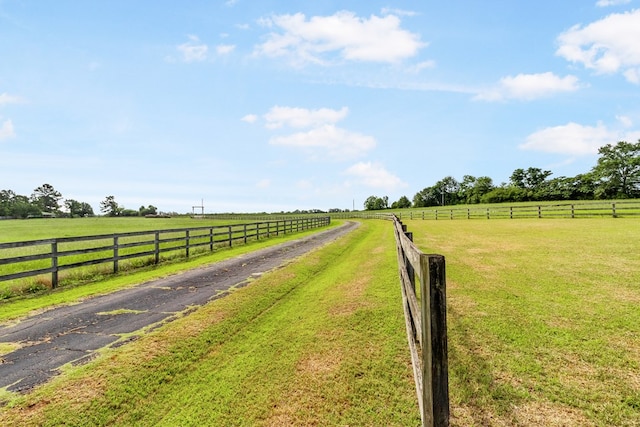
(74, 333)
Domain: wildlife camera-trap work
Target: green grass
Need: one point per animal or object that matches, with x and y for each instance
(18, 230)
(319, 342)
(544, 325)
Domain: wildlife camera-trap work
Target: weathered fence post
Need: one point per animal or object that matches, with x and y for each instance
(156, 247)
(54, 264)
(115, 254)
(613, 208)
(436, 368)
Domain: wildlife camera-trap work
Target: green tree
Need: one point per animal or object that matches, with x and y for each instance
(374, 203)
(426, 197)
(472, 189)
(77, 208)
(47, 198)
(110, 207)
(149, 210)
(618, 170)
(402, 203)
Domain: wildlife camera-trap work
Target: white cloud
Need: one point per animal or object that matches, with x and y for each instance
(607, 46)
(193, 50)
(351, 38)
(375, 175)
(336, 143)
(278, 117)
(6, 99)
(575, 139)
(7, 131)
(625, 121)
(529, 86)
(399, 12)
(224, 49)
(250, 118)
(606, 3)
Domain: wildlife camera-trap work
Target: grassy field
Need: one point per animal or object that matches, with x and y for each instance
(319, 342)
(544, 320)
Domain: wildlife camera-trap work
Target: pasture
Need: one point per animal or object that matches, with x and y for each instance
(543, 318)
(543, 329)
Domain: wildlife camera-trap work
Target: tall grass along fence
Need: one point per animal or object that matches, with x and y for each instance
(50, 256)
(426, 323)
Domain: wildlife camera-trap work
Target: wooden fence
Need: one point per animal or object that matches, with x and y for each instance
(426, 323)
(585, 209)
(73, 252)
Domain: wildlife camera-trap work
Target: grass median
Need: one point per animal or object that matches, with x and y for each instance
(319, 342)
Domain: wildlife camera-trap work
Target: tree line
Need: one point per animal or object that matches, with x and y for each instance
(615, 176)
(46, 201)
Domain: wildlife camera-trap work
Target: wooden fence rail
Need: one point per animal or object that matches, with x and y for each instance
(426, 323)
(581, 209)
(63, 253)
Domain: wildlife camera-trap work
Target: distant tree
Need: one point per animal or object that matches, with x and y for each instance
(402, 203)
(506, 193)
(426, 197)
(110, 207)
(472, 189)
(77, 208)
(21, 207)
(47, 198)
(447, 189)
(6, 200)
(374, 203)
(618, 170)
(149, 210)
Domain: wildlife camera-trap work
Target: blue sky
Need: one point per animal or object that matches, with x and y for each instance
(265, 105)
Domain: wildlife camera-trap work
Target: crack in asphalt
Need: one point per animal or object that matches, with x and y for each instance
(74, 333)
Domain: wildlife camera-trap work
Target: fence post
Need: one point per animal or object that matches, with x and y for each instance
(156, 248)
(245, 234)
(488, 216)
(230, 236)
(613, 208)
(510, 212)
(54, 264)
(539, 211)
(186, 242)
(434, 336)
(572, 212)
(211, 239)
(115, 254)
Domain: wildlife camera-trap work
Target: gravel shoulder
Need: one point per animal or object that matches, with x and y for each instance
(75, 333)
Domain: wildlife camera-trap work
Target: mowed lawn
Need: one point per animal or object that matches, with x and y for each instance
(543, 318)
(319, 342)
